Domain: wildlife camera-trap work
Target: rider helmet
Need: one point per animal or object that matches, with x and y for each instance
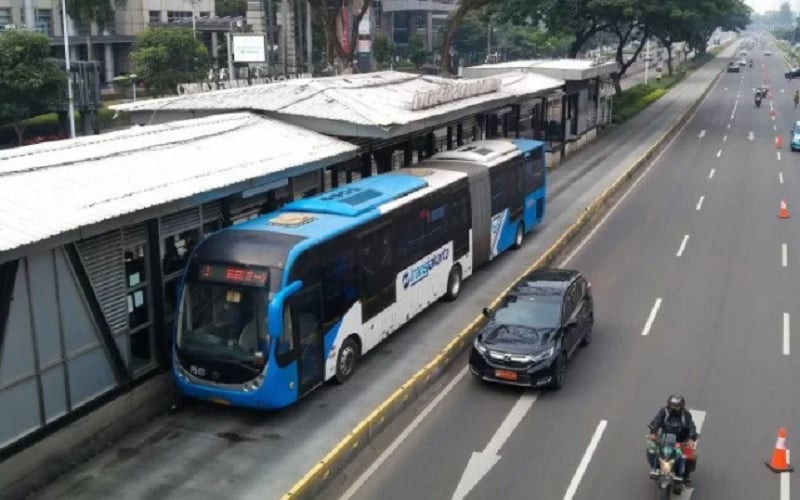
(675, 404)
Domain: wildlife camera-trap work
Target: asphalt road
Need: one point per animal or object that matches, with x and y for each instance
(203, 452)
(718, 336)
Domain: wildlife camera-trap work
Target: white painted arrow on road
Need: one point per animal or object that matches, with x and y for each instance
(480, 463)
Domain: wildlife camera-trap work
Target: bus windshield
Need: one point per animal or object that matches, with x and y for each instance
(223, 321)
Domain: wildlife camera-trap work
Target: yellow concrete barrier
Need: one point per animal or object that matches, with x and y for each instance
(315, 479)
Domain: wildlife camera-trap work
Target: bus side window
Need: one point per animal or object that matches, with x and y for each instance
(306, 269)
(285, 346)
(339, 284)
(409, 236)
(499, 195)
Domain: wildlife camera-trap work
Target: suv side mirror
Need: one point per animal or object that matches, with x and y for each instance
(487, 312)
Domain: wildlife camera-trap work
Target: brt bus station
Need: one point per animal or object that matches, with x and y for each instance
(95, 232)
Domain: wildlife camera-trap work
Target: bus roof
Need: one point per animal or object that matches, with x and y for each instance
(487, 152)
(327, 214)
(359, 197)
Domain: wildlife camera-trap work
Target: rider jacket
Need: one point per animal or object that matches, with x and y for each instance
(681, 425)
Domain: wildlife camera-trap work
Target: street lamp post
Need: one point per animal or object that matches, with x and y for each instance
(70, 97)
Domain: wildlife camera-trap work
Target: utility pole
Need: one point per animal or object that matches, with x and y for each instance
(70, 96)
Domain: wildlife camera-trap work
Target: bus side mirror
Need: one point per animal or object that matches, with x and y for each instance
(275, 307)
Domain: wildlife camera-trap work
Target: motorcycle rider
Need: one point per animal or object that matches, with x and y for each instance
(674, 418)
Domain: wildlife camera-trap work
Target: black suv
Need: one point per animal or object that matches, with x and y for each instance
(532, 335)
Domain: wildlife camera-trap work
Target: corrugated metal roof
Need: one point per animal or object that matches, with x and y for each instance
(55, 187)
(382, 99)
(558, 68)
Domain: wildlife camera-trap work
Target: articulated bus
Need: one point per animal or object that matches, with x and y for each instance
(273, 307)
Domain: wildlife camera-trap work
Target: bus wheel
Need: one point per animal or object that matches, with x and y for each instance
(453, 283)
(518, 237)
(346, 361)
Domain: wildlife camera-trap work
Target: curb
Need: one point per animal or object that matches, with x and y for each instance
(316, 479)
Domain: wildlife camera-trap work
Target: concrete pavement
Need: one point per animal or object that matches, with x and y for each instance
(205, 452)
(718, 336)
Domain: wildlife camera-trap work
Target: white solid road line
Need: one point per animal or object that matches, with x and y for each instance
(729, 126)
(683, 245)
(775, 127)
(785, 334)
(786, 481)
(480, 463)
(711, 174)
(785, 255)
(587, 457)
(652, 317)
(780, 177)
(363, 478)
(700, 203)
(719, 153)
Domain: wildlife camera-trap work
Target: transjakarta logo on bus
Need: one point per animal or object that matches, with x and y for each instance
(420, 272)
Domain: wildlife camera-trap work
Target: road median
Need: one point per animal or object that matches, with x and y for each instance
(316, 479)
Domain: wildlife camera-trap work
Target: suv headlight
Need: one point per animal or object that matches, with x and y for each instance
(480, 347)
(541, 356)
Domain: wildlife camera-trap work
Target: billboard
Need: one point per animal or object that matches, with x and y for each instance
(249, 48)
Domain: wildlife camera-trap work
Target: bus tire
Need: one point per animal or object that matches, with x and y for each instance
(453, 284)
(519, 236)
(346, 360)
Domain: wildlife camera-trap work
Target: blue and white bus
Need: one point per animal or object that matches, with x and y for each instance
(273, 307)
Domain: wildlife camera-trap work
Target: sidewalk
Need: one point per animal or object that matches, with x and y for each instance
(204, 452)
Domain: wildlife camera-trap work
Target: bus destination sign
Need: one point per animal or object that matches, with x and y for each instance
(233, 274)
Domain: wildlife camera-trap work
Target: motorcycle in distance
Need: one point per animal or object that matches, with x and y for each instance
(758, 99)
(668, 451)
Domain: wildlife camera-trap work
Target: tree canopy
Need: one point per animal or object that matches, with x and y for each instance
(164, 57)
(628, 23)
(31, 83)
(88, 12)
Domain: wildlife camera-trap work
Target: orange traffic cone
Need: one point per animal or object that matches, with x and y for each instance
(778, 142)
(783, 213)
(778, 463)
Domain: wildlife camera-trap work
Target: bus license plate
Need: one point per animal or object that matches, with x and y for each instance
(505, 374)
(220, 401)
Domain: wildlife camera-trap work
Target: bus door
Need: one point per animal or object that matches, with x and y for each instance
(306, 313)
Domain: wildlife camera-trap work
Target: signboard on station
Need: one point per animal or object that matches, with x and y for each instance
(454, 92)
(249, 48)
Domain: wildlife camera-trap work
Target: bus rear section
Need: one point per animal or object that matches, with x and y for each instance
(508, 186)
(276, 306)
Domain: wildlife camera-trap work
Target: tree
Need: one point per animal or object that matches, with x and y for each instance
(88, 12)
(417, 52)
(383, 50)
(330, 13)
(708, 15)
(528, 42)
(464, 8)
(31, 83)
(164, 57)
(628, 21)
(580, 20)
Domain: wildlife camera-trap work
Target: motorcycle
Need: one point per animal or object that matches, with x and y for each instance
(668, 451)
(758, 102)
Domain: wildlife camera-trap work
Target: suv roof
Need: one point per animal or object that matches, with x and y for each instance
(541, 281)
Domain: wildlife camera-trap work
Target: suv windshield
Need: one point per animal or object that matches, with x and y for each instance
(222, 321)
(530, 312)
